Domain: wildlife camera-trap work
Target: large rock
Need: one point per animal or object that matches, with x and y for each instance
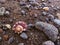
(48, 43)
(50, 30)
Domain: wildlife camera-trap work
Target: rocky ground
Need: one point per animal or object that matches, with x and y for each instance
(42, 18)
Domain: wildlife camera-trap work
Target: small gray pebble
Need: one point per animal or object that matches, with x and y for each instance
(23, 36)
(11, 40)
(23, 12)
(48, 43)
(21, 44)
(44, 13)
(50, 30)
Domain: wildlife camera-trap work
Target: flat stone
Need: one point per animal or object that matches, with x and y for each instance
(23, 36)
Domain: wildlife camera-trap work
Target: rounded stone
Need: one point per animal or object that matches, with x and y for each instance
(0, 38)
(57, 21)
(23, 36)
(5, 37)
(46, 8)
(11, 40)
(2, 10)
(48, 43)
(21, 44)
(50, 30)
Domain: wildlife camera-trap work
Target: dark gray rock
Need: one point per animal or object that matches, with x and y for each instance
(50, 30)
(11, 40)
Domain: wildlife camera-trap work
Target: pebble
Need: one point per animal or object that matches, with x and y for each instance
(51, 17)
(48, 43)
(57, 21)
(58, 15)
(22, 3)
(2, 11)
(57, 41)
(21, 44)
(8, 26)
(7, 13)
(46, 8)
(4, 27)
(0, 39)
(5, 37)
(30, 25)
(35, 15)
(11, 20)
(2, 1)
(23, 36)
(44, 13)
(32, 0)
(50, 30)
(11, 40)
(1, 31)
(23, 12)
(43, 0)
